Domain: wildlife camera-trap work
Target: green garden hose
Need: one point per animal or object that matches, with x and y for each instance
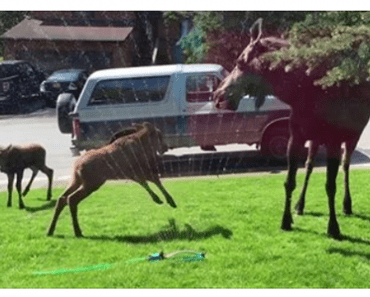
(179, 257)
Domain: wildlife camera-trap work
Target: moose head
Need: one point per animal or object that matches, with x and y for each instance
(3, 155)
(247, 78)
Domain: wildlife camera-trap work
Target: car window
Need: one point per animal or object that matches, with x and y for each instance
(27, 71)
(134, 90)
(199, 87)
(8, 70)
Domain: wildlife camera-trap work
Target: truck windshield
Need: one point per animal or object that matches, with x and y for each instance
(7, 70)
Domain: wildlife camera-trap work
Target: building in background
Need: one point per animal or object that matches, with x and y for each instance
(91, 40)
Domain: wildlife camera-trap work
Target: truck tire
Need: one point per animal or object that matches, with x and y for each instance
(275, 143)
(65, 104)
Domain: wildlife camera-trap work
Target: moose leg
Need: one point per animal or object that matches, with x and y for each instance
(10, 188)
(49, 173)
(333, 161)
(154, 196)
(19, 188)
(295, 147)
(73, 201)
(312, 152)
(168, 197)
(347, 201)
(61, 203)
(34, 173)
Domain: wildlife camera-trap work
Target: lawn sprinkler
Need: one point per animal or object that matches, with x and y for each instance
(180, 256)
(156, 257)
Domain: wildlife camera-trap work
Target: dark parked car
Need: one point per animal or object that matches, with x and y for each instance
(63, 81)
(19, 85)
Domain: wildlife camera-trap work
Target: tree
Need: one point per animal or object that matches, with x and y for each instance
(8, 19)
(220, 36)
(333, 46)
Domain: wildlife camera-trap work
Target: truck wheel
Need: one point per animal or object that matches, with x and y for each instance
(65, 104)
(275, 143)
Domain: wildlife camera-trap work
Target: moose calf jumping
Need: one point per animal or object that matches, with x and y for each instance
(15, 159)
(129, 156)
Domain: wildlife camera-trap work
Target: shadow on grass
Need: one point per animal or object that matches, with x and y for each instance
(348, 253)
(343, 237)
(314, 213)
(45, 206)
(354, 215)
(170, 233)
(356, 239)
(360, 216)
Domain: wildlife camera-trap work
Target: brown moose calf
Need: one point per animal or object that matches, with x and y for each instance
(15, 159)
(132, 155)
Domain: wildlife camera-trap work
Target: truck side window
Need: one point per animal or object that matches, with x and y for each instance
(199, 88)
(132, 90)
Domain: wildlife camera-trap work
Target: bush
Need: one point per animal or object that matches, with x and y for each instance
(332, 46)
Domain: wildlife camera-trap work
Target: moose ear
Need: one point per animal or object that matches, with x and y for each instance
(5, 150)
(137, 126)
(149, 126)
(256, 31)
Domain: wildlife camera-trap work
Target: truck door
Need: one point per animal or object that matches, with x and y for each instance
(205, 123)
(209, 126)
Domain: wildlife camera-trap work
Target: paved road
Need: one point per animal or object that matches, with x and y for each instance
(41, 127)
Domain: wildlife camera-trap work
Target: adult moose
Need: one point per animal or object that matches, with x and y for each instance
(331, 116)
(129, 156)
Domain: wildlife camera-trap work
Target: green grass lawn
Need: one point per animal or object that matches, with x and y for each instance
(234, 220)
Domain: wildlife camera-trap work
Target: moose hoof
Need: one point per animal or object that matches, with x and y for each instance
(173, 204)
(333, 231)
(336, 236)
(287, 222)
(299, 211)
(347, 211)
(21, 206)
(78, 232)
(286, 227)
